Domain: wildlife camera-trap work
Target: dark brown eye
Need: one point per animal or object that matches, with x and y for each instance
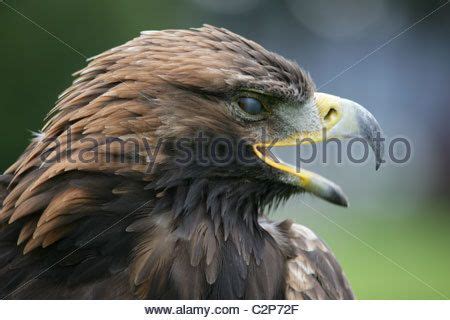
(250, 105)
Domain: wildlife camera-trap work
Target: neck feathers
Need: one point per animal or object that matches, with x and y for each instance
(199, 236)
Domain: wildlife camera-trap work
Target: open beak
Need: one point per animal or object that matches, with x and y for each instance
(340, 119)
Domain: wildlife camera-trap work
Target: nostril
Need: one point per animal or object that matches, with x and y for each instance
(331, 115)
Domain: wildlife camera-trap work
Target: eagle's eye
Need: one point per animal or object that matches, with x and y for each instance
(250, 105)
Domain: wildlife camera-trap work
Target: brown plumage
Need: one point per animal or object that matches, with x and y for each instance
(86, 217)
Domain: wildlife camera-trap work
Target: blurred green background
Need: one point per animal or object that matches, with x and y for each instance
(393, 241)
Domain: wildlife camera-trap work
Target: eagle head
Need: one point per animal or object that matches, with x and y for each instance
(207, 104)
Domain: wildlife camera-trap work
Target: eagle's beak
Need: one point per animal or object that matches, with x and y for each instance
(340, 119)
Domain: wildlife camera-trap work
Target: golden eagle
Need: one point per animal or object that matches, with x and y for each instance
(111, 200)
